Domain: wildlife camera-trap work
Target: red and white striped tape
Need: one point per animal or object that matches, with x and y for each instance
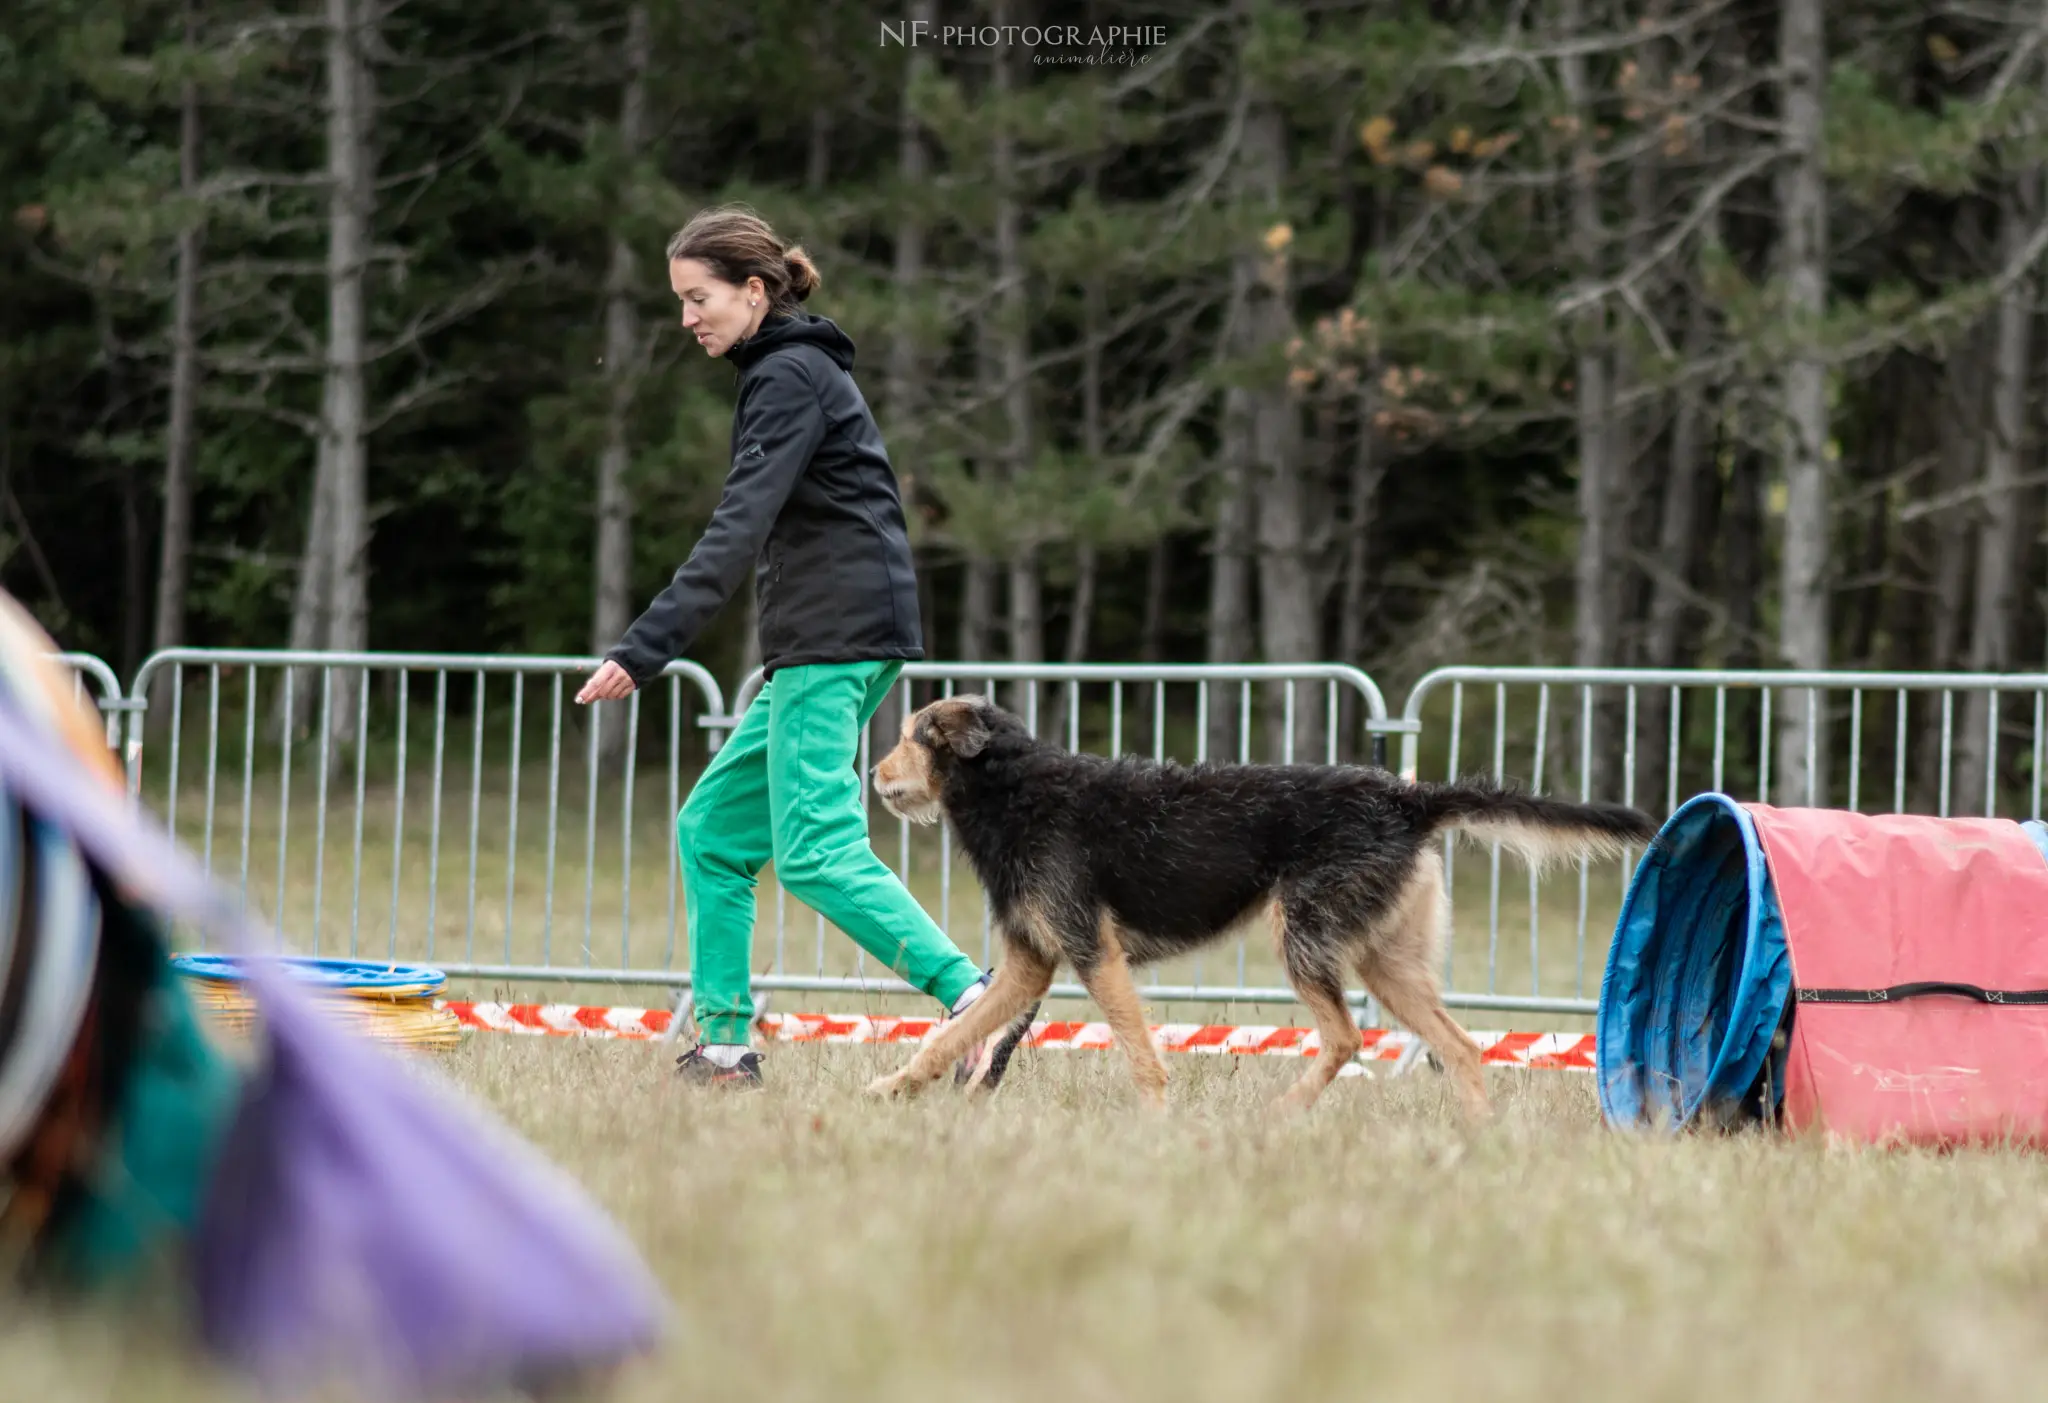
(1556, 1051)
(560, 1020)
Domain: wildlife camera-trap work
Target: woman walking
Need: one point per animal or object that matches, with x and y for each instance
(811, 500)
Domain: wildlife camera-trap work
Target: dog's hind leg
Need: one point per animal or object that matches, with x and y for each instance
(1399, 963)
(1314, 969)
(1022, 977)
(1108, 981)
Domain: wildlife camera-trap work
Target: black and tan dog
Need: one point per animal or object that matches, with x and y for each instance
(1113, 863)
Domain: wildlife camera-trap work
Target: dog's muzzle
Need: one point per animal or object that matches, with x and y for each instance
(909, 805)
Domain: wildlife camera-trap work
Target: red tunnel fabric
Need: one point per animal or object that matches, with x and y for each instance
(1873, 902)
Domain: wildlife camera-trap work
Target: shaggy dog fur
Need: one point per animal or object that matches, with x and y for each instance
(1107, 864)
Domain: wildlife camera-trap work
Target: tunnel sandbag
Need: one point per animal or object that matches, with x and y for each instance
(1697, 977)
(1920, 952)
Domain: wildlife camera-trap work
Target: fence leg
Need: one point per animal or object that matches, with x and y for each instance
(684, 1002)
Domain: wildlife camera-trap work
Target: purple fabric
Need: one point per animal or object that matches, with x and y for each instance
(366, 1220)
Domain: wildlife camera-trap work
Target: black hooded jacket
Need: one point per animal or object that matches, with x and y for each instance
(812, 500)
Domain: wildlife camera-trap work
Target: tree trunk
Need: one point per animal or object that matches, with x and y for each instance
(622, 355)
(1803, 251)
(613, 594)
(1158, 576)
(133, 561)
(1027, 603)
(1877, 464)
(1697, 627)
(1087, 569)
(1906, 611)
(1367, 468)
(978, 611)
(1087, 560)
(1959, 407)
(174, 552)
(905, 358)
(344, 414)
(1676, 554)
(902, 401)
(1230, 576)
(986, 558)
(1635, 496)
(1743, 588)
(1290, 621)
(2002, 513)
(1026, 624)
(134, 572)
(1871, 568)
(1677, 526)
(1593, 612)
(311, 593)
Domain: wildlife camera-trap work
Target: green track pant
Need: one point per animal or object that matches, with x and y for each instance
(785, 787)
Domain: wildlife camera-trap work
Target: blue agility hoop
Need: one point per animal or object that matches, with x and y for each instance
(331, 973)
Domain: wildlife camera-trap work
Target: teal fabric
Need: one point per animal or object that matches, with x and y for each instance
(176, 1103)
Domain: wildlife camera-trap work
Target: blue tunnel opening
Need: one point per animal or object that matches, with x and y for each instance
(1698, 979)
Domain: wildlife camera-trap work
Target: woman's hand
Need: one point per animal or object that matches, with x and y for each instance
(608, 683)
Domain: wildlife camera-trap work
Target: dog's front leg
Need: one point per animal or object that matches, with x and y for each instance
(1023, 976)
(1108, 981)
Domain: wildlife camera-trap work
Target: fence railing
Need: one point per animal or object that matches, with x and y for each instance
(426, 726)
(92, 674)
(1869, 741)
(407, 806)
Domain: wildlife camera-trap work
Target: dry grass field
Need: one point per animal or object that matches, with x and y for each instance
(1053, 1243)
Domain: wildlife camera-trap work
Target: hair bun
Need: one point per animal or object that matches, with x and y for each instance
(803, 274)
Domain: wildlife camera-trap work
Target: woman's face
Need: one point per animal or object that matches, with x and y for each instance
(716, 312)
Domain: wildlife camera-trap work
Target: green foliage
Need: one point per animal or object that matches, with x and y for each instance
(1877, 147)
(1438, 293)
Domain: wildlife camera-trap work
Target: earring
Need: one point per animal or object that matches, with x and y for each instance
(755, 303)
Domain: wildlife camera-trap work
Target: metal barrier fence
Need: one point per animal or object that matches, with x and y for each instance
(251, 716)
(1868, 741)
(106, 688)
(276, 734)
(319, 711)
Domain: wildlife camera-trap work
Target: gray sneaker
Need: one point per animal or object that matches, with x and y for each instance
(983, 1066)
(699, 1070)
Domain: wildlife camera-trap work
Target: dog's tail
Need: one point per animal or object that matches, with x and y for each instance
(1539, 831)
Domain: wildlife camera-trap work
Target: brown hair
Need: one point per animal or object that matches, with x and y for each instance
(736, 244)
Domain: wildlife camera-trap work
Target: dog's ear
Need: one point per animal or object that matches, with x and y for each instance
(958, 726)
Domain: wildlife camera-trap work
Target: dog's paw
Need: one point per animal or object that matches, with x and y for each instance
(1291, 1104)
(884, 1088)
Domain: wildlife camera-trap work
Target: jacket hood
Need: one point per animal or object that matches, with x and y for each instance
(800, 329)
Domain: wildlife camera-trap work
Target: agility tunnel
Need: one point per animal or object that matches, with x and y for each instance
(1876, 978)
